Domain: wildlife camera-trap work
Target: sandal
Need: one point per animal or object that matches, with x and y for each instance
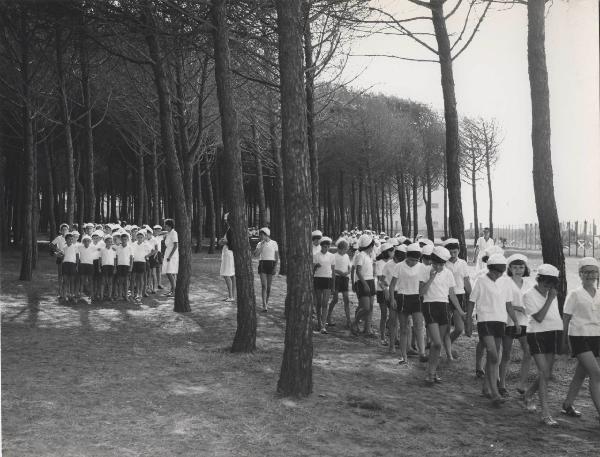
(570, 411)
(503, 392)
(529, 405)
(402, 362)
(437, 379)
(549, 421)
(479, 373)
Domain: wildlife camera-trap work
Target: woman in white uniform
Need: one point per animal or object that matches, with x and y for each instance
(170, 265)
(227, 263)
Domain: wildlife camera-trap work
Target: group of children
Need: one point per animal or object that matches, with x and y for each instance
(108, 262)
(427, 300)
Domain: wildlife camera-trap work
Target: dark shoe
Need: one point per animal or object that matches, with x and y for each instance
(423, 358)
(570, 411)
(437, 379)
(503, 392)
(479, 373)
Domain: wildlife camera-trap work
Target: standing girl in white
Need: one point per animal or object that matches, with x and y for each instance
(170, 265)
(267, 252)
(227, 263)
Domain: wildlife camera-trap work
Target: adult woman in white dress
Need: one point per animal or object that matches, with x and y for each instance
(170, 265)
(227, 263)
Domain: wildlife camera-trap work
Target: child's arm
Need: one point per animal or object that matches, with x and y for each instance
(391, 290)
(566, 344)
(131, 263)
(511, 312)
(455, 303)
(424, 285)
(468, 287)
(541, 314)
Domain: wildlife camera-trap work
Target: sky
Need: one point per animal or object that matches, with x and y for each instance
(491, 81)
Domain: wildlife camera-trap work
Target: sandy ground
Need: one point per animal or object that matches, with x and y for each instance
(140, 380)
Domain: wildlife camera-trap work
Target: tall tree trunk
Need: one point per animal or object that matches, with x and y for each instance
(139, 206)
(543, 184)
(341, 203)
(51, 193)
(155, 197)
(66, 120)
(35, 208)
(408, 212)
(199, 209)
(360, 200)
(89, 189)
(262, 204)
(245, 336)
(280, 191)
(187, 159)
(352, 205)
(457, 225)
(402, 202)
(445, 203)
(474, 189)
(296, 367)
(415, 205)
(212, 215)
(4, 196)
(489, 184)
(310, 108)
(182, 303)
(427, 200)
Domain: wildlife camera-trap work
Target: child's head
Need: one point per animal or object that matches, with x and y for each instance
(325, 244)
(400, 252)
(265, 234)
(64, 229)
(517, 266)
(108, 241)
(496, 265)
(589, 271)
(157, 229)
(342, 246)
(413, 254)
(439, 257)
(316, 237)
(366, 243)
(95, 237)
(69, 238)
(124, 239)
(387, 251)
(548, 276)
(86, 240)
(453, 247)
(140, 236)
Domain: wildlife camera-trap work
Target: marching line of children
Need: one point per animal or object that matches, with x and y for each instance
(423, 289)
(108, 262)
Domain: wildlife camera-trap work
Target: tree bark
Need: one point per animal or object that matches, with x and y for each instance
(174, 174)
(51, 193)
(187, 159)
(90, 196)
(474, 189)
(427, 200)
(245, 336)
(155, 197)
(360, 200)
(445, 203)
(212, 216)
(66, 120)
(280, 196)
(543, 183)
(490, 196)
(415, 205)
(402, 202)
(296, 367)
(456, 220)
(139, 207)
(199, 209)
(310, 108)
(260, 183)
(408, 213)
(341, 203)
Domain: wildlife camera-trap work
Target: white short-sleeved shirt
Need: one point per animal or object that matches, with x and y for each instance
(439, 288)
(379, 265)
(482, 244)
(140, 251)
(326, 261)
(460, 270)
(388, 271)
(124, 254)
(316, 249)
(70, 253)
(534, 301)
(408, 278)
(365, 262)
(490, 299)
(99, 246)
(59, 242)
(269, 248)
(342, 263)
(515, 296)
(585, 313)
(170, 239)
(107, 256)
(87, 255)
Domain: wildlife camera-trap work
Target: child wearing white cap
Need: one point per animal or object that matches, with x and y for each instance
(108, 266)
(384, 277)
(227, 269)
(544, 335)
(581, 334)
(493, 307)
(342, 275)
(364, 281)
(124, 267)
(70, 256)
(516, 283)
(140, 251)
(56, 248)
(316, 236)
(323, 272)
(437, 287)
(267, 252)
(87, 253)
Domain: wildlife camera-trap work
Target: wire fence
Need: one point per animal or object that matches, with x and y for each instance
(580, 238)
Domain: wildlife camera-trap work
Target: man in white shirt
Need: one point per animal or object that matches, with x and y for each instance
(483, 242)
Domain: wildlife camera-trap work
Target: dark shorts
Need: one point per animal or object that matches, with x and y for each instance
(69, 268)
(59, 260)
(341, 283)
(322, 283)
(86, 269)
(436, 313)
(152, 261)
(108, 270)
(266, 266)
(360, 289)
(545, 342)
(409, 304)
(123, 270)
(510, 331)
(581, 344)
(491, 328)
(97, 271)
(139, 267)
(380, 297)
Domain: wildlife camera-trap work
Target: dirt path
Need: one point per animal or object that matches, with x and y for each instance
(113, 380)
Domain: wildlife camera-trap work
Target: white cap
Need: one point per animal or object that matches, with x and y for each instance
(401, 248)
(441, 252)
(86, 237)
(325, 239)
(394, 241)
(415, 247)
(588, 262)
(134, 227)
(141, 232)
(108, 237)
(493, 250)
(157, 227)
(427, 249)
(127, 227)
(496, 259)
(266, 231)
(451, 241)
(425, 241)
(365, 240)
(515, 257)
(548, 270)
(401, 239)
(385, 246)
(317, 233)
(98, 233)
